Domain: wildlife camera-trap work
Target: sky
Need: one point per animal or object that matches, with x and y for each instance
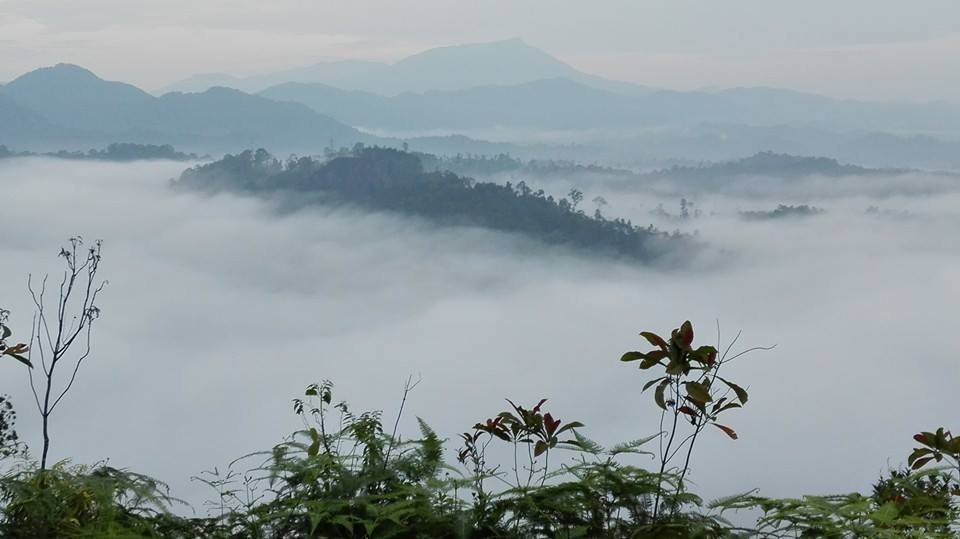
(867, 49)
(219, 311)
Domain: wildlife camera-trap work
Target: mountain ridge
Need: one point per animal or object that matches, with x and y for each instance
(70, 104)
(452, 67)
(563, 103)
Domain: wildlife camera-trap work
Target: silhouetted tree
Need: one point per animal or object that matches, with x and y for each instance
(64, 328)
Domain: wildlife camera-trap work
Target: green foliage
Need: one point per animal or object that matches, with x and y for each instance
(936, 447)
(17, 351)
(347, 478)
(10, 444)
(923, 499)
(690, 390)
(847, 516)
(81, 501)
(344, 475)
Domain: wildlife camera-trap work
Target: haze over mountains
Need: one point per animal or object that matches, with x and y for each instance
(510, 83)
(506, 92)
(457, 67)
(66, 106)
(563, 103)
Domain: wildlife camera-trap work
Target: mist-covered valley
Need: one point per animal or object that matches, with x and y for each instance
(221, 307)
(465, 270)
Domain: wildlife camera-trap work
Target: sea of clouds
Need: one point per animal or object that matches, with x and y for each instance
(220, 309)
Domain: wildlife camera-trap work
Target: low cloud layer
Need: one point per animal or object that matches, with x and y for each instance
(219, 310)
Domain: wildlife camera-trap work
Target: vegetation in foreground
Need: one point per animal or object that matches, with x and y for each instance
(522, 472)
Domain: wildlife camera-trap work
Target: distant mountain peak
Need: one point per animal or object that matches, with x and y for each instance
(514, 51)
(62, 71)
(452, 67)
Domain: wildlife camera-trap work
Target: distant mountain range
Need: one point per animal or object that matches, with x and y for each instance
(512, 84)
(67, 107)
(504, 90)
(562, 103)
(457, 67)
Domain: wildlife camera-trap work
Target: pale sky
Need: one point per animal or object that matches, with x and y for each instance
(871, 49)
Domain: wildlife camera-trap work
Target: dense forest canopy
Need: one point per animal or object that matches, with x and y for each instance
(393, 180)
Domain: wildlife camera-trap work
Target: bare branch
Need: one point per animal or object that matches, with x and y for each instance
(74, 320)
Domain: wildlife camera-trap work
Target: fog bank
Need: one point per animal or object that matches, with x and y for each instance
(219, 310)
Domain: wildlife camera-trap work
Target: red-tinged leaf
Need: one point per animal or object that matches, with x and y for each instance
(550, 424)
(539, 404)
(19, 348)
(686, 334)
(920, 463)
(917, 453)
(729, 432)
(654, 339)
(687, 410)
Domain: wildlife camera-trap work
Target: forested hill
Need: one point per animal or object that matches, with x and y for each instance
(773, 165)
(760, 164)
(120, 151)
(392, 180)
